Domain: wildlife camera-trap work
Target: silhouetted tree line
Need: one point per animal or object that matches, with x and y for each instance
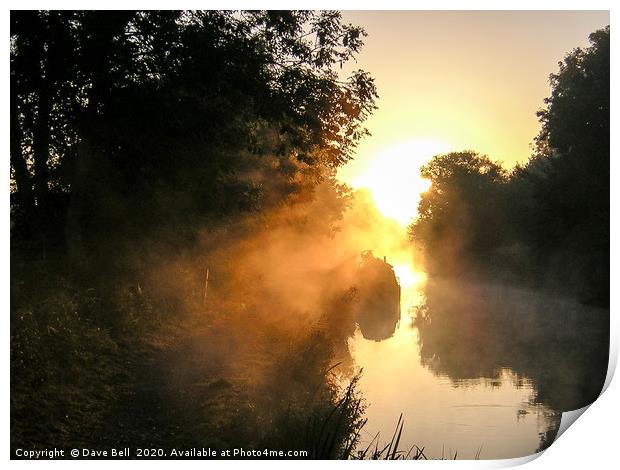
(129, 125)
(547, 221)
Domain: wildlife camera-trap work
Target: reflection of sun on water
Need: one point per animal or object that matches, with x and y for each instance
(412, 285)
(438, 415)
(396, 381)
(394, 180)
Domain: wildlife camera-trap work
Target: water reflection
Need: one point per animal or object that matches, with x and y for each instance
(484, 367)
(377, 328)
(378, 310)
(471, 330)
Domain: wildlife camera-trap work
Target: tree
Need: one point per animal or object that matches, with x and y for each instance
(460, 213)
(144, 123)
(569, 173)
(575, 119)
(547, 222)
(40, 48)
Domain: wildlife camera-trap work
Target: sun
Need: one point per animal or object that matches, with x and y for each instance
(393, 177)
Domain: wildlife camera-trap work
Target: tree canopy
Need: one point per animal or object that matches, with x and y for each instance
(458, 211)
(547, 220)
(129, 122)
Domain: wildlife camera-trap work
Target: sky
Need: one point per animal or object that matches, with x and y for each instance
(455, 80)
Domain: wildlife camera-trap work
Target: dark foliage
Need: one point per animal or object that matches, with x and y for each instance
(547, 222)
(133, 134)
(133, 125)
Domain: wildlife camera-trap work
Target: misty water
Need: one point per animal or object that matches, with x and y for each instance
(487, 371)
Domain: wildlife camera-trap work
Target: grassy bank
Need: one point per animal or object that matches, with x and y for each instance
(110, 366)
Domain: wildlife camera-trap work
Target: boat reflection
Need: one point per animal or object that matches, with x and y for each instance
(378, 311)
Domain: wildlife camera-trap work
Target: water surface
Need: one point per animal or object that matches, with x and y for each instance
(487, 371)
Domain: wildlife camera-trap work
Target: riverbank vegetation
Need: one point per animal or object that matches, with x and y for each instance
(544, 223)
(159, 160)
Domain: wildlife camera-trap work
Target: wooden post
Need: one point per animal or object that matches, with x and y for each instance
(204, 296)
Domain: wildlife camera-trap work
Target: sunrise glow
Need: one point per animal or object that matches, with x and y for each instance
(407, 276)
(393, 177)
